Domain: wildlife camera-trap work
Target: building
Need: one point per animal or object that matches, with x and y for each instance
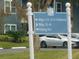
(12, 20)
(75, 15)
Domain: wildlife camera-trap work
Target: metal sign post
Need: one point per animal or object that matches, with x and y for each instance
(69, 30)
(31, 47)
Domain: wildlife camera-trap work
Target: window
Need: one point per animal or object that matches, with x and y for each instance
(13, 8)
(9, 6)
(58, 7)
(13, 28)
(10, 27)
(7, 3)
(7, 28)
(24, 2)
(51, 3)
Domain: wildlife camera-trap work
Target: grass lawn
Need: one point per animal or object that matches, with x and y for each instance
(11, 44)
(54, 54)
(19, 55)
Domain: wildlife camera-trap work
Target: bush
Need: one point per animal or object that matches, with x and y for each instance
(5, 38)
(18, 36)
(14, 37)
(23, 39)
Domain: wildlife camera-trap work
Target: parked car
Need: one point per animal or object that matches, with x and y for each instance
(57, 40)
(75, 35)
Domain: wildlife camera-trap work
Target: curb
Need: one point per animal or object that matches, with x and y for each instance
(18, 48)
(1, 48)
(15, 48)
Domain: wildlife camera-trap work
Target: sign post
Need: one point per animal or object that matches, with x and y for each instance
(31, 47)
(68, 10)
(45, 24)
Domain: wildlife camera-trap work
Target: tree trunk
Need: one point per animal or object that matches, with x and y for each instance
(36, 43)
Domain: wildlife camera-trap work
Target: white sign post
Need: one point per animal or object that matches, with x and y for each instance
(30, 25)
(68, 10)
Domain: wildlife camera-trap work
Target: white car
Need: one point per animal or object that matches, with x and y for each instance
(75, 35)
(57, 40)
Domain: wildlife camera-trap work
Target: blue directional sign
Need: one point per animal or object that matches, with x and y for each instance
(45, 24)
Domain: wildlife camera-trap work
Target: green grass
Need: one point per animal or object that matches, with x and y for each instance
(11, 44)
(6, 44)
(55, 54)
(19, 55)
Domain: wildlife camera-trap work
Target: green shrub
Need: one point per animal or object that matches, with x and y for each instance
(15, 35)
(18, 36)
(5, 38)
(23, 39)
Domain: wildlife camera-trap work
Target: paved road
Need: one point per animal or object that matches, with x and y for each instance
(4, 51)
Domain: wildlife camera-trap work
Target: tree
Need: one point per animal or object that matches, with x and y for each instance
(21, 12)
